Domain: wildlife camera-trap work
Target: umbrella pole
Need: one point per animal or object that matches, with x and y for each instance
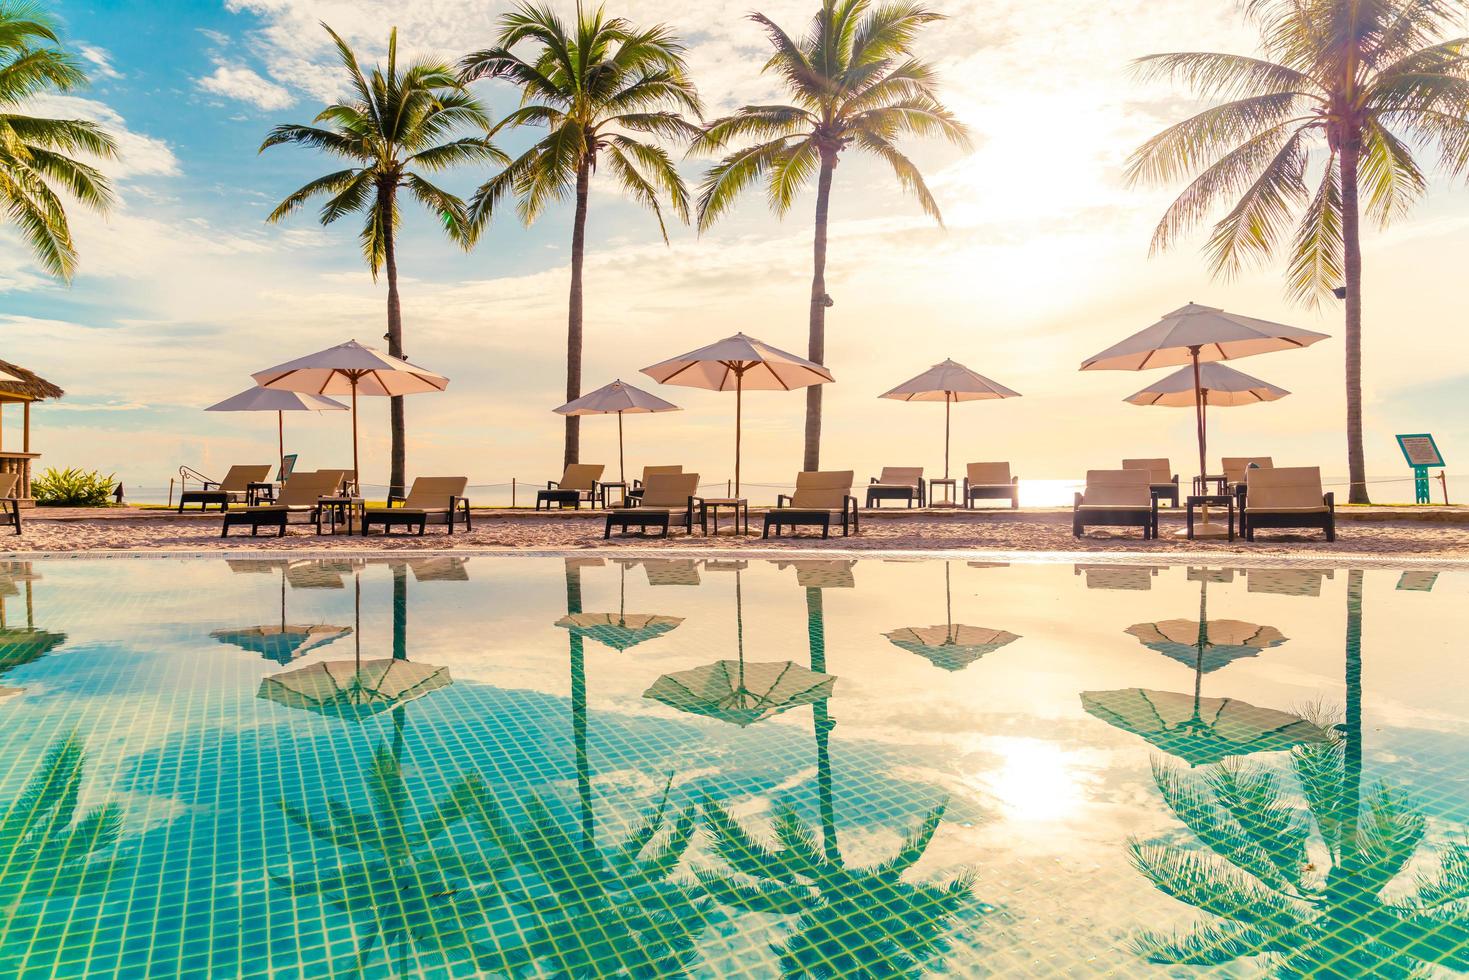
(948, 606)
(621, 466)
(356, 476)
(739, 415)
(948, 409)
(280, 436)
(1199, 420)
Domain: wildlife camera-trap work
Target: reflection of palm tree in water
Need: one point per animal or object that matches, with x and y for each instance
(400, 882)
(47, 855)
(1262, 892)
(582, 910)
(851, 922)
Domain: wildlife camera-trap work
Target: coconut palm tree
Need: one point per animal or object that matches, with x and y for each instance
(395, 125)
(46, 854)
(37, 153)
(599, 89)
(1345, 94)
(853, 81)
(1259, 878)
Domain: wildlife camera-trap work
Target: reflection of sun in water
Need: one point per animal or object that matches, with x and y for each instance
(1034, 781)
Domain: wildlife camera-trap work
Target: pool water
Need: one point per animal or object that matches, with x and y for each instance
(592, 767)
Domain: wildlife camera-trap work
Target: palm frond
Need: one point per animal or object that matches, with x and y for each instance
(723, 182)
(1213, 75)
(907, 172)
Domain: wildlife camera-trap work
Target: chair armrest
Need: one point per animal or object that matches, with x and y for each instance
(1329, 499)
(209, 485)
(1077, 502)
(553, 484)
(1015, 480)
(637, 484)
(397, 498)
(849, 499)
(781, 499)
(872, 480)
(1175, 479)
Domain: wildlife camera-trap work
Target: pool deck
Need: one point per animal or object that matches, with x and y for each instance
(1398, 533)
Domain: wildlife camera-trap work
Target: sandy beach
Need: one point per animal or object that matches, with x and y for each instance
(1380, 532)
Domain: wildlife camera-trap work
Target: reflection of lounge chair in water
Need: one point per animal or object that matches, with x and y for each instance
(1287, 581)
(1135, 578)
(671, 571)
(821, 573)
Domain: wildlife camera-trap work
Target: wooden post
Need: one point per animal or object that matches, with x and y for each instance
(25, 446)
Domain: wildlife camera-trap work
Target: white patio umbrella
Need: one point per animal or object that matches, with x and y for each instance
(1197, 335)
(736, 363)
(351, 368)
(617, 398)
(949, 382)
(280, 402)
(1219, 385)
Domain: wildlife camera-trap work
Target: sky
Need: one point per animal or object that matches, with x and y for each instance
(1042, 260)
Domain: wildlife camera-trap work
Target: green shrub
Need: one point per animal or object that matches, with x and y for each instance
(72, 488)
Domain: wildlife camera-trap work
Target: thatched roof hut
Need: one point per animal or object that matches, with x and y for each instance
(16, 380)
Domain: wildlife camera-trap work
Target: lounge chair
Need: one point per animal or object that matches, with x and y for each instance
(437, 498)
(1235, 468)
(820, 498)
(1287, 497)
(636, 490)
(300, 495)
(578, 483)
(990, 481)
(1164, 480)
(665, 496)
(345, 482)
(265, 492)
(897, 483)
(1116, 498)
(236, 486)
(10, 500)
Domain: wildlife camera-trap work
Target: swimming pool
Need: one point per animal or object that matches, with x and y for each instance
(591, 767)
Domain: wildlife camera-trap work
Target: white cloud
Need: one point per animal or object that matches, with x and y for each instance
(137, 155)
(238, 82)
(100, 59)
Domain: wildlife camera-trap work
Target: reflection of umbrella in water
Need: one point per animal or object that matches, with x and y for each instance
(620, 630)
(1206, 644)
(1200, 730)
(737, 692)
(951, 646)
(285, 642)
(354, 689)
(1197, 729)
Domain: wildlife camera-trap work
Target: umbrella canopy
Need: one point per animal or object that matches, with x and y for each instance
(1196, 335)
(741, 693)
(281, 644)
(949, 382)
(279, 401)
(620, 631)
(617, 398)
(1202, 333)
(354, 690)
(950, 646)
(1207, 645)
(737, 363)
(1200, 731)
(354, 369)
(1220, 385)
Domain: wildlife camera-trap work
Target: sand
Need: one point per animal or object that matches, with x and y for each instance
(1377, 533)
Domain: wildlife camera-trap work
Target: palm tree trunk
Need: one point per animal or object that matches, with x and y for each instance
(395, 345)
(1352, 266)
(579, 712)
(817, 346)
(816, 634)
(574, 311)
